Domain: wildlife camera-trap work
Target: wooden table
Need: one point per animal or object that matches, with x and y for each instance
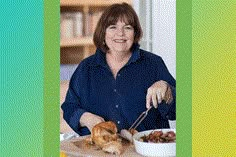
(77, 148)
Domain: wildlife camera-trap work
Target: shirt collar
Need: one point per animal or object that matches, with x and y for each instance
(135, 54)
(100, 56)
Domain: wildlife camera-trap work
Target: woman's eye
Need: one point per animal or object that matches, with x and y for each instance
(128, 27)
(112, 27)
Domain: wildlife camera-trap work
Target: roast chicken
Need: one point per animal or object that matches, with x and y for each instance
(104, 135)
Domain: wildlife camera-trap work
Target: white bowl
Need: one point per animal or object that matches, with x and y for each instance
(154, 149)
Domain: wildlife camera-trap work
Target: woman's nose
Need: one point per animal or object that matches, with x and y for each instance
(120, 31)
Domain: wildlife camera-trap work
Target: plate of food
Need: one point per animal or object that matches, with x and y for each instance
(160, 142)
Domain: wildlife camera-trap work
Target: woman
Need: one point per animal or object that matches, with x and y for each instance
(120, 80)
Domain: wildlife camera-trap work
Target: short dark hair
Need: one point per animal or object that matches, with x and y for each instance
(110, 16)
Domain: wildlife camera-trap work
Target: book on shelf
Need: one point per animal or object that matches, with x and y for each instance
(94, 18)
(71, 25)
(77, 24)
(66, 26)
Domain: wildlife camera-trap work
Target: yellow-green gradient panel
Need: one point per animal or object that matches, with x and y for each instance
(21, 73)
(213, 78)
(51, 78)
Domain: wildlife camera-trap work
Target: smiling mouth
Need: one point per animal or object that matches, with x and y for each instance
(120, 41)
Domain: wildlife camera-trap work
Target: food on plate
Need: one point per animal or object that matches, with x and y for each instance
(133, 131)
(159, 137)
(128, 134)
(104, 132)
(104, 135)
(114, 147)
(148, 143)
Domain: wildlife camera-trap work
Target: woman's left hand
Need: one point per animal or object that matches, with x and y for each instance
(158, 92)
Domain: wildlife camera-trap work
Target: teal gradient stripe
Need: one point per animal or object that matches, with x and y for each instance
(51, 78)
(21, 102)
(184, 77)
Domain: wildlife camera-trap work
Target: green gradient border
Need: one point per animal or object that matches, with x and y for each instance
(184, 78)
(51, 78)
(29, 109)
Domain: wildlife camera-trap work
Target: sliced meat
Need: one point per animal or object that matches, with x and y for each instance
(128, 134)
(113, 147)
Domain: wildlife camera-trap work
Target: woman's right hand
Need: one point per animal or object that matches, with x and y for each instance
(90, 120)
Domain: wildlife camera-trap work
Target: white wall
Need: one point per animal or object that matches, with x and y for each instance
(158, 20)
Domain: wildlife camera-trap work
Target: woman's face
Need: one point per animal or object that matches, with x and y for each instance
(119, 37)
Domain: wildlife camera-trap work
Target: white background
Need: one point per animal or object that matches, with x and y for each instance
(158, 20)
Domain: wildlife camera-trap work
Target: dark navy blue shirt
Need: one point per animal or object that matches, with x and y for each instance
(94, 89)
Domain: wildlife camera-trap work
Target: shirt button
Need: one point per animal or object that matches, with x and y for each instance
(118, 74)
(114, 90)
(118, 122)
(117, 106)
